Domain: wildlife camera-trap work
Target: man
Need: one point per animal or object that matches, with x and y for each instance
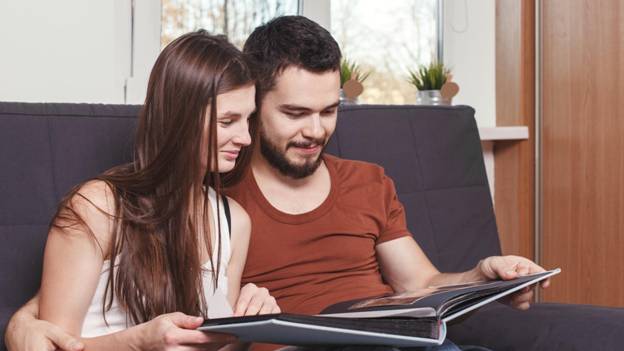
(324, 230)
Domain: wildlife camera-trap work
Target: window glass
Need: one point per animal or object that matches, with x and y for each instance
(236, 19)
(386, 38)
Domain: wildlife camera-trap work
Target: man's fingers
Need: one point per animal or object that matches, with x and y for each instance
(522, 269)
(62, 340)
(522, 298)
(507, 272)
(546, 283)
(535, 268)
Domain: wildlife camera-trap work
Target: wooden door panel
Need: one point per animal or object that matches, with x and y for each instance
(583, 149)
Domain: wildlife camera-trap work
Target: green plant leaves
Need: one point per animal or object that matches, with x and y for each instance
(430, 77)
(351, 70)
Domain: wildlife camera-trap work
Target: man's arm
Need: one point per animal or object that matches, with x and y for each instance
(406, 267)
(26, 332)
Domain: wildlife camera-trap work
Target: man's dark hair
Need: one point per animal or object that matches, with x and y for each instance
(289, 41)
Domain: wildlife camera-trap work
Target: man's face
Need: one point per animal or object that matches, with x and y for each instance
(297, 118)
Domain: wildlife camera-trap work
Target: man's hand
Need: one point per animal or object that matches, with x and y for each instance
(511, 267)
(27, 333)
(253, 300)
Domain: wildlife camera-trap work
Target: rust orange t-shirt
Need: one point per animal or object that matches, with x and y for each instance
(312, 260)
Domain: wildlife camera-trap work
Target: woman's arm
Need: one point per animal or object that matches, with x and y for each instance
(241, 231)
(250, 300)
(74, 256)
(73, 262)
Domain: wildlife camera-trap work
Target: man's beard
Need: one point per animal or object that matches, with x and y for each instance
(278, 159)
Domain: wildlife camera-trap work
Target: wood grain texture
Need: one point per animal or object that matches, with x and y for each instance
(515, 105)
(583, 149)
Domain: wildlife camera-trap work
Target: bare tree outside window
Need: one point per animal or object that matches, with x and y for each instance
(234, 18)
(386, 38)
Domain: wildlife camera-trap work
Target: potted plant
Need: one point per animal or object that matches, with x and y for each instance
(351, 79)
(434, 84)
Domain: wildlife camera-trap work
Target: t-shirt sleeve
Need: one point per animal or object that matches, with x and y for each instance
(395, 225)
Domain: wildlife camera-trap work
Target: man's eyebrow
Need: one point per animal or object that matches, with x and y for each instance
(294, 107)
(334, 105)
(305, 109)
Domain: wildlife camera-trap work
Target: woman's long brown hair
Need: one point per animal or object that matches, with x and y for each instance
(160, 228)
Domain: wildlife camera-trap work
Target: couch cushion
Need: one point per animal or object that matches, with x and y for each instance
(544, 327)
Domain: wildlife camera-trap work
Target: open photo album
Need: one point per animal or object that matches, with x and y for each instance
(416, 318)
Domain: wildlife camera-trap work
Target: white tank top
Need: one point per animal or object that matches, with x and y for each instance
(218, 305)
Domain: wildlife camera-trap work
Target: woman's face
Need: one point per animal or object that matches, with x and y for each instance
(233, 110)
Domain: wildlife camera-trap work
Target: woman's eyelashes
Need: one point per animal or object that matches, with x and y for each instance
(230, 120)
(226, 122)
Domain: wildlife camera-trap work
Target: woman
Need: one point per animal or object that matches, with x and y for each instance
(160, 223)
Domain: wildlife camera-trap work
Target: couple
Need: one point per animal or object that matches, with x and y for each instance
(137, 257)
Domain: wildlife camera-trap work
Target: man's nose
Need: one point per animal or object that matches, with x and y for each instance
(314, 128)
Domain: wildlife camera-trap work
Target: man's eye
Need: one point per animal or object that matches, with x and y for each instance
(294, 114)
(329, 112)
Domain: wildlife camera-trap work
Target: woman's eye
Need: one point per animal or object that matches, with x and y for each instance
(226, 122)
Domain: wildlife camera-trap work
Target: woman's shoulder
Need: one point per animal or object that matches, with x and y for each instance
(90, 209)
(94, 195)
(241, 222)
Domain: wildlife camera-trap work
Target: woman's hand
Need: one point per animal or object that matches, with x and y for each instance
(176, 331)
(253, 300)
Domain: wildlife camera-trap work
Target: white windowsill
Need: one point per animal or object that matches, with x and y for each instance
(504, 133)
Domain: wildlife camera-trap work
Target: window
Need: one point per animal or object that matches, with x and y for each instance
(236, 19)
(387, 38)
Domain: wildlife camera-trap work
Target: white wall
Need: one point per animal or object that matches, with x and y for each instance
(470, 51)
(79, 50)
(62, 51)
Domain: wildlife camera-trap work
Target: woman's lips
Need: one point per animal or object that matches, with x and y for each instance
(231, 155)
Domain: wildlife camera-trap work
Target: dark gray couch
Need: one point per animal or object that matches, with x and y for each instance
(432, 153)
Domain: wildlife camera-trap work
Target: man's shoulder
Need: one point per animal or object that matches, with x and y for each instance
(360, 169)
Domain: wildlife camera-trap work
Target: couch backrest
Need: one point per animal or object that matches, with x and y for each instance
(432, 153)
(434, 156)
